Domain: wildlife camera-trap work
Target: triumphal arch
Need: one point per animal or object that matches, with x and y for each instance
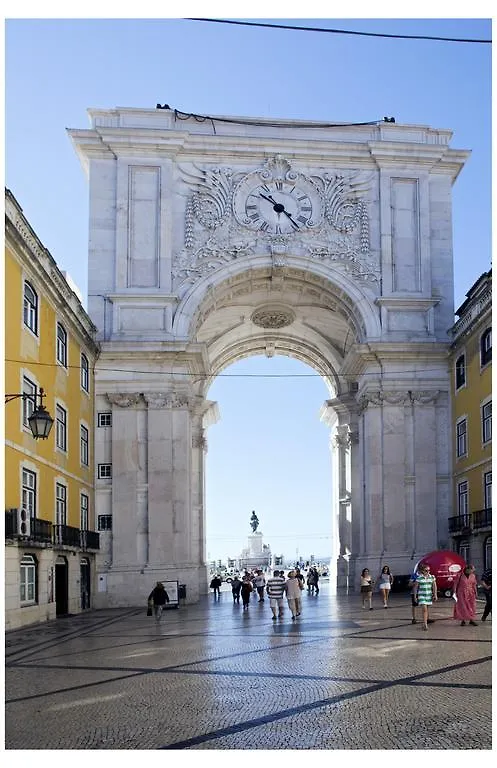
(215, 238)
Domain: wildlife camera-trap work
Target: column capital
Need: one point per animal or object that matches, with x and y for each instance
(124, 399)
(169, 400)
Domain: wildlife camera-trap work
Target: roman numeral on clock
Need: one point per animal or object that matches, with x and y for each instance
(302, 219)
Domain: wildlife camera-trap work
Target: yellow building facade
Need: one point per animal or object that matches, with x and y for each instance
(471, 362)
(50, 350)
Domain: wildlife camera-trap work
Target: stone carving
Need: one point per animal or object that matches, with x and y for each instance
(425, 397)
(342, 437)
(379, 397)
(199, 440)
(218, 231)
(167, 399)
(124, 400)
(272, 317)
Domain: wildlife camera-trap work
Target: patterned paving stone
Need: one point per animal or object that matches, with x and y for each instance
(212, 677)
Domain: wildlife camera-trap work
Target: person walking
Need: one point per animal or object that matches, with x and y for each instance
(366, 588)
(292, 589)
(425, 591)
(385, 584)
(215, 585)
(311, 583)
(465, 591)
(260, 583)
(246, 590)
(300, 577)
(414, 598)
(316, 579)
(486, 582)
(236, 586)
(275, 589)
(158, 597)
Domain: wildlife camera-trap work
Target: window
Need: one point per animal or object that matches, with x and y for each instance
(461, 438)
(84, 512)
(464, 550)
(487, 553)
(486, 347)
(105, 522)
(105, 419)
(28, 492)
(60, 504)
(462, 500)
(28, 403)
(61, 345)
(104, 471)
(486, 422)
(84, 446)
(28, 580)
(460, 371)
(30, 310)
(487, 489)
(61, 427)
(85, 373)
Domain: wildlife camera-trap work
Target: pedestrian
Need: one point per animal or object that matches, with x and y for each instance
(311, 583)
(236, 586)
(465, 588)
(425, 591)
(486, 583)
(292, 589)
(316, 580)
(414, 598)
(300, 577)
(246, 589)
(275, 589)
(366, 588)
(216, 585)
(385, 584)
(260, 583)
(158, 597)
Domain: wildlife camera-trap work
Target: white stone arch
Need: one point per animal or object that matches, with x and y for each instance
(341, 285)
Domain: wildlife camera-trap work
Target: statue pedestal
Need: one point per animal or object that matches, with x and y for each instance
(255, 544)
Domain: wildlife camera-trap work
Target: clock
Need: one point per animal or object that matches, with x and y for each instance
(277, 206)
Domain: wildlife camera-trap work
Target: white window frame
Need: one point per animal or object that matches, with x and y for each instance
(84, 445)
(463, 499)
(30, 309)
(60, 428)
(27, 579)
(101, 419)
(84, 512)
(486, 346)
(29, 491)
(61, 343)
(487, 489)
(29, 387)
(462, 437)
(463, 384)
(103, 472)
(464, 550)
(486, 422)
(85, 373)
(60, 503)
(100, 524)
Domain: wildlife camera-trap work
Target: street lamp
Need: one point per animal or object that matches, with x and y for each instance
(40, 422)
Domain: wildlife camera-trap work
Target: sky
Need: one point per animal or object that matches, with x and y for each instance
(269, 452)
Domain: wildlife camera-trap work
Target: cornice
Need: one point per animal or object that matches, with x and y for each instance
(361, 355)
(407, 302)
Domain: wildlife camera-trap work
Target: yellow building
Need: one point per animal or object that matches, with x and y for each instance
(50, 533)
(471, 361)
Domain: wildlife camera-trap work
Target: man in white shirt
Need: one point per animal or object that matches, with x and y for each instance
(260, 583)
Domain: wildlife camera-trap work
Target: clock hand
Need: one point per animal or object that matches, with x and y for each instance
(270, 200)
(291, 220)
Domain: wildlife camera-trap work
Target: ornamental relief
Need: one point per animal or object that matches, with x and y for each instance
(275, 210)
(156, 400)
(409, 397)
(124, 400)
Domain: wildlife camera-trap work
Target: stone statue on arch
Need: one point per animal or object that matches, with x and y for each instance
(254, 521)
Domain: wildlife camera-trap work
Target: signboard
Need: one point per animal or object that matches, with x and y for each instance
(171, 588)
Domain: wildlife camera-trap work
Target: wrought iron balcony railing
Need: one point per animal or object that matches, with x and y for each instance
(35, 530)
(460, 524)
(482, 518)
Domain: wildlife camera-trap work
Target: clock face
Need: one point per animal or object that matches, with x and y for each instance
(277, 206)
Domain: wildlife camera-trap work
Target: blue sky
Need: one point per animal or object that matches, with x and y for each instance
(57, 68)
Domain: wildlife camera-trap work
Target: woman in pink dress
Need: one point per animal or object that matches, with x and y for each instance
(465, 591)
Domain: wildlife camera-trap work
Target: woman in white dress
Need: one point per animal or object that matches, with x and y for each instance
(385, 584)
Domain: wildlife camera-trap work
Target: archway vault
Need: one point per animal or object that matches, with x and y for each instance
(277, 310)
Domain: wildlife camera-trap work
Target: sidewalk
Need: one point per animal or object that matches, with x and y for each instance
(211, 676)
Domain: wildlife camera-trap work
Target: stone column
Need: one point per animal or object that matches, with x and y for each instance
(169, 478)
(425, 457)
(124, 478)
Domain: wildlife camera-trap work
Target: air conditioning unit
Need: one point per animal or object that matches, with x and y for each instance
(23, 523)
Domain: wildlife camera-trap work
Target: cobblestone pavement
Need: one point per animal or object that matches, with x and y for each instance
(212, 676)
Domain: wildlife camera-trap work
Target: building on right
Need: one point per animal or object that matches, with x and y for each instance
(470, 527)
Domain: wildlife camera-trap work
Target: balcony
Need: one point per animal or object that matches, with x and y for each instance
(44, 532)
(460, 525)
(482, 518)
